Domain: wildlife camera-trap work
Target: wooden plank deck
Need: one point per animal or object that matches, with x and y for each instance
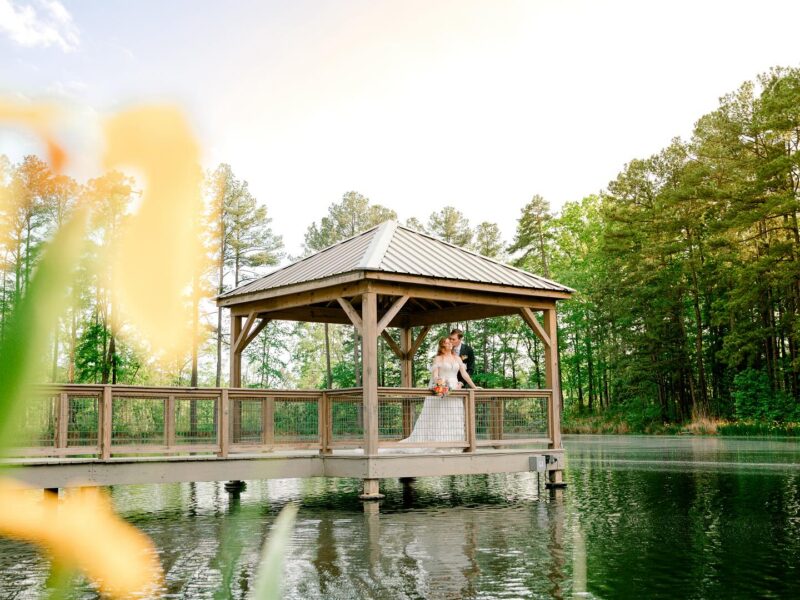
(88, 472)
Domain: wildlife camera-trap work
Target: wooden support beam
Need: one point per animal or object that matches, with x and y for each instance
(223, 424)
(256, 330)
(552, 379)
(170, 437)
(530, 318)
(418, 342)
(451, 314)
(445, 291)
(62, 420)
(236, 356)
(470, 421)
(243, 334)
(407, 365)
(352, 313)
(268, 420)
(104, 434)
(392, 344)
(391, 313)
(369, 342)
(310, 314)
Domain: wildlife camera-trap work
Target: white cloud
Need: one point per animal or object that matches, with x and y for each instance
(47, 23)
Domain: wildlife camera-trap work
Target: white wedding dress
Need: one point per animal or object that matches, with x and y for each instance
(441, 418)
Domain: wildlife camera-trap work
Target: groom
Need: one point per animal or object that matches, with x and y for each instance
(461, 349)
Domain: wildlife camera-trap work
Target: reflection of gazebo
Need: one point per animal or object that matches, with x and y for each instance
(392, 276)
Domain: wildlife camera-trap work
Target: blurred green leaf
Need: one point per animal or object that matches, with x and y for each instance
(270, 571)
(29, 326)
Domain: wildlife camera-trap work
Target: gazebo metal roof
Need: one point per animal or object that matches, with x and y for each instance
(393, 248)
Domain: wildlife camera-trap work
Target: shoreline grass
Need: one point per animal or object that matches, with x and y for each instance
(617, 424)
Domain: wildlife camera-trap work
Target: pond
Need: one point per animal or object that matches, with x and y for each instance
(643, 517)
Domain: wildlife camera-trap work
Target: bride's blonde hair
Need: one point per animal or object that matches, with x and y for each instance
(442, 351)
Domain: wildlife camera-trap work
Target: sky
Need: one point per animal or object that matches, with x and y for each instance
(417, 104)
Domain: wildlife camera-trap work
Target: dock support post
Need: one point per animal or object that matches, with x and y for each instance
(235, 488)
(552, 379)
(371, 490)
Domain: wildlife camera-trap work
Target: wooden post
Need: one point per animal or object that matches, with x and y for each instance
(470, 413)
(236, 407)
(268, 415)
(406, 360)
(369, 378)
(236, 356)
(62, 420)
(496, 418)
(371, 487)
(223, 431)
(552, 382)
(169, 421)
(106, 423)
(407, 378)
(324, 424)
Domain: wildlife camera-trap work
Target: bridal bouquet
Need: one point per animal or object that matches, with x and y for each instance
(440, 388)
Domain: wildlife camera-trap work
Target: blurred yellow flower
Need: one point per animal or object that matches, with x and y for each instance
(82, 531)
(159, 248)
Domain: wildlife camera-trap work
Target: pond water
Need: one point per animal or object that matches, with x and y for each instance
(643, 517)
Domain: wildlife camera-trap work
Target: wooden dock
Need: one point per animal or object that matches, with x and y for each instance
(86, 435)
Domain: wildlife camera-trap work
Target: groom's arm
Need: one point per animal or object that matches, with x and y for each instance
(470, 360)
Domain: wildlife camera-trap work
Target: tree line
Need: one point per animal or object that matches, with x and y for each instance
(687, 271)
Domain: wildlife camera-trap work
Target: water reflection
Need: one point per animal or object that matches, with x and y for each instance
(622, 529)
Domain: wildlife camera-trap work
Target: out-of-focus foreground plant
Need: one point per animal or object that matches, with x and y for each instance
(155, 258)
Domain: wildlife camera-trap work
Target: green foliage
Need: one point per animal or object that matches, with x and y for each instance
(450, 225)
(754, 399)
(345, 219)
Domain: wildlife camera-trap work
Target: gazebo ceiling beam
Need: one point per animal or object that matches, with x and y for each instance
(311, 314)
(468, 312)
(456, 294)
(295, 300)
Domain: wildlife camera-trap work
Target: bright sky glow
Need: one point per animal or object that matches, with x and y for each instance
(415, 103)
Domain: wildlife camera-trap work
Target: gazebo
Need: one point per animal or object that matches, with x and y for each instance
(393, 277)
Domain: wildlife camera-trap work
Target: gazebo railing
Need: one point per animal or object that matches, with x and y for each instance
(106, 420)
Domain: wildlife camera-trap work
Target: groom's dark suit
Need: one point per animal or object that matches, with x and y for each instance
(467, 354)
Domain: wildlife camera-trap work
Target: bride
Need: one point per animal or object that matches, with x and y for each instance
(442, 417)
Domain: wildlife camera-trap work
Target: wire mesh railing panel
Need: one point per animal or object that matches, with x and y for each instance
(498, 418)
(195, 421)
(397, 415)
(137, 421)
(524, 417)
(347, 418)
(247, 420)
(295, 420)
(83, 420)
(38, 423)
